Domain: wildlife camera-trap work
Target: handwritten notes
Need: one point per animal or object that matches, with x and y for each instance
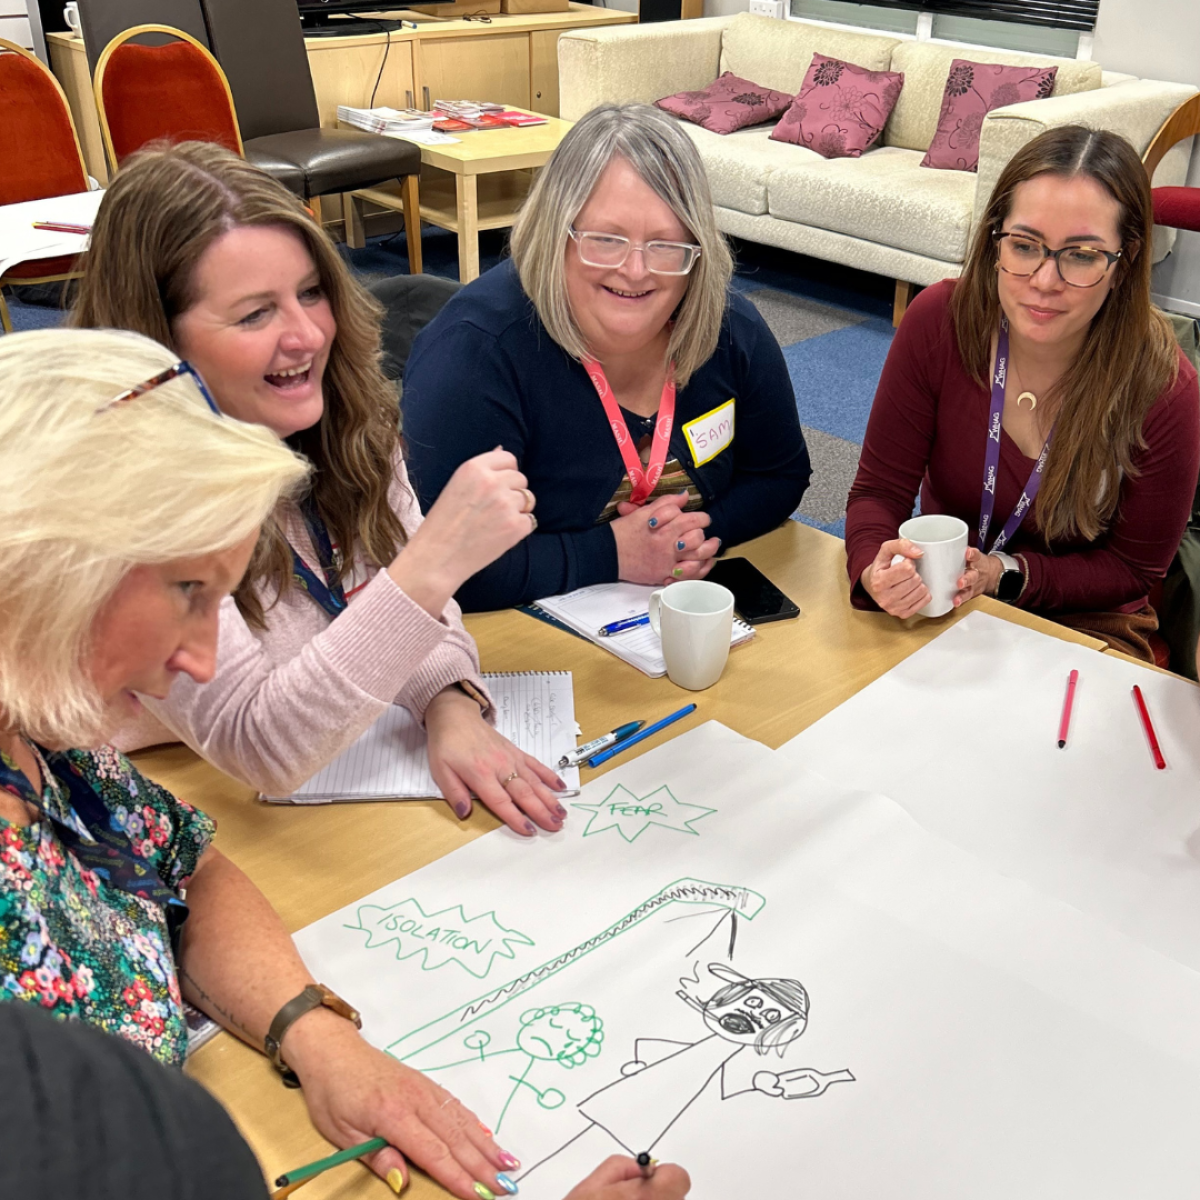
(535, 711)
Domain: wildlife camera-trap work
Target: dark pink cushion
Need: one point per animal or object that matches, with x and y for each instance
(840, 110)
(727, 104)
(972, 91)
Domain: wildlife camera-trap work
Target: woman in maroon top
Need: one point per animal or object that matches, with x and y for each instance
(1051, 337)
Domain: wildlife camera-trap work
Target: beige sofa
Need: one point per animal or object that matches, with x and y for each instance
(882, 212)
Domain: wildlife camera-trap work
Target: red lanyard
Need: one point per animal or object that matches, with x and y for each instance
(642, 480)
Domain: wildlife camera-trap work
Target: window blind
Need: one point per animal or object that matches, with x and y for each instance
(1057, 14)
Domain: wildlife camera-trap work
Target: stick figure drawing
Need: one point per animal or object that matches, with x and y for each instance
(666, 1078)
(568, 1034)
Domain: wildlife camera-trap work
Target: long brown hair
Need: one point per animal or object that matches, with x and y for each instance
(1128, 356)
(163, 210)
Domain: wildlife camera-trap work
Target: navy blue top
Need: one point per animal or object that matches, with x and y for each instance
(485, 373)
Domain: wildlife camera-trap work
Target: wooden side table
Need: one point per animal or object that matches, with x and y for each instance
(478, 182)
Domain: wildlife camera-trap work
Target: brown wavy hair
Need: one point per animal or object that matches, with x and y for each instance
(163, 210)
(1128, 356)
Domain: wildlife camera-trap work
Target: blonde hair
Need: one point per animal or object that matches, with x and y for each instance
(667, 161)
(1129, 354)
(90, 494)
(163, 210)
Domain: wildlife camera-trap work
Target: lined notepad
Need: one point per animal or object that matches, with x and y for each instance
(586, 610)
(534, 710)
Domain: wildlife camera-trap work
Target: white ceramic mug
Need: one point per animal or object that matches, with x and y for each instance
(694, 618)
(944, 542)
(71, 16)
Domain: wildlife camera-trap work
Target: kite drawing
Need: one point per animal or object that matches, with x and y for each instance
(755, 1017)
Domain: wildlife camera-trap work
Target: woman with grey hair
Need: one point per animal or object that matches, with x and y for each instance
(648, 404)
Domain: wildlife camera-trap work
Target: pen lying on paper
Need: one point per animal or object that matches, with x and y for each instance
(61, 227)
(605, 755)
(1143, 712)
(597, 744)
(623, 626)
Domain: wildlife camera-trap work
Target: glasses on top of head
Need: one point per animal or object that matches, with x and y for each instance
(611, 250)
(180, 368)
(1078, 266)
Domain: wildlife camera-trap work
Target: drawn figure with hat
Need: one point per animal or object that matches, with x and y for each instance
(667, 1077)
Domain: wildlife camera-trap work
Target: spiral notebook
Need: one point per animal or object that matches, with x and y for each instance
(534, 709)
(585, 610)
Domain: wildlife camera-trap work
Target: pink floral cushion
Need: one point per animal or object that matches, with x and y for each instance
(972, 91)
(727, 104)
(840, 110)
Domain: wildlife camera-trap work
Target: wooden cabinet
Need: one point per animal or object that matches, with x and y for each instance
(346, 71)
(492, 68)
(543, 71)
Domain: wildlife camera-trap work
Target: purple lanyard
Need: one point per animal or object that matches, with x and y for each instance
(991, 461)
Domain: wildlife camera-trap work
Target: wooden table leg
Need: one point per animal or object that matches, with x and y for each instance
(412, 223)
(467, 196)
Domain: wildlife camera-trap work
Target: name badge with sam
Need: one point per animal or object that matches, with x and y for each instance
(710, 434)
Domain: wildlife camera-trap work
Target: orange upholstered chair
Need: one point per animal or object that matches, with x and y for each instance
(175, 91)
(41, 154)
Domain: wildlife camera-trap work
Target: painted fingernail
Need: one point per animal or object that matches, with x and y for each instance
(396, 1180)
(529, 829)
(463, 808)
(560, 812)
(484, 1193)
(561, 784)
(485, 1129)
(677, 572)
(718, 541)
(507, 1160)
(680, 546)
(507, 1184)
(653, 522)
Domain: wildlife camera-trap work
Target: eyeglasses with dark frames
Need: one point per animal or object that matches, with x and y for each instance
(180, 368)
(1078, 266)
(612, 250)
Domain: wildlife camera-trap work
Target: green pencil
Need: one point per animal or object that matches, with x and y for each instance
(302, 1174)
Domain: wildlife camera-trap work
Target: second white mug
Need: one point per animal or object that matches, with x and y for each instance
(71, 16)
(943, 541)
(694, 618)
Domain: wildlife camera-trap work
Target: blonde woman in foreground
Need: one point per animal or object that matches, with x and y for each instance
(347, 605)
(130, 510)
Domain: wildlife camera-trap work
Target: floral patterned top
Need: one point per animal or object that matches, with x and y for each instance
(80, 947)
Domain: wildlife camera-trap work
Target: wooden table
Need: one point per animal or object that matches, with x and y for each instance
(311, 861)
(477, 183)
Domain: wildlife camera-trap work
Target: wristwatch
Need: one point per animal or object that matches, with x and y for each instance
(316, 995)
(1012, 578)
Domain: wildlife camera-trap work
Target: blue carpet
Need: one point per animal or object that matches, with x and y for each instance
(833, 322)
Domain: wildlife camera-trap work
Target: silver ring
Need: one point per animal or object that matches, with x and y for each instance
(532, 522)
(509, 778)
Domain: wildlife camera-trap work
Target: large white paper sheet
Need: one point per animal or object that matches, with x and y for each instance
(962, 1035)
(964, 734)
(19, 241)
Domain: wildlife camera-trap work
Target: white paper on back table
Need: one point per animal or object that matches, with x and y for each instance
(938, 1031)
(964, 735)
(534, 710)
(587, 609)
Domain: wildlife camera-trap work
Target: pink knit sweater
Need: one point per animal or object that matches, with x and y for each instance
(286, 701)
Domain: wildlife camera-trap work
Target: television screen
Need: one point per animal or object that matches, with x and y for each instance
(314, 13)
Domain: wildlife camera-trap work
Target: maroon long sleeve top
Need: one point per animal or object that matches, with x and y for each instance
(928, 431)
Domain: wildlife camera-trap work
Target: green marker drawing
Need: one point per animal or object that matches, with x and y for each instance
(632, 815)
(448, 935)
(736, 901)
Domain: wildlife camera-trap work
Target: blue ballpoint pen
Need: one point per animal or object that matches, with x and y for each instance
(597, 744)
(605, 755)
(623, 626)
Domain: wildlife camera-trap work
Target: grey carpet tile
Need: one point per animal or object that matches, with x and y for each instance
(835, 462)
(793, 318)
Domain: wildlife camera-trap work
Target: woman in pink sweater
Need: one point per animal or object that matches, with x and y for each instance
(346, 607)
